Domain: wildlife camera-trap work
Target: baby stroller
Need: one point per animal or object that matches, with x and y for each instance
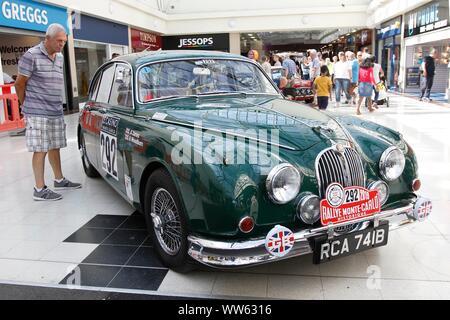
(383, 98)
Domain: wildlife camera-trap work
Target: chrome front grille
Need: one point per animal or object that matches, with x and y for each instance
(344, 167)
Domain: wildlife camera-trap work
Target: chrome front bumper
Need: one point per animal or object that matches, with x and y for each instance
(222, 254)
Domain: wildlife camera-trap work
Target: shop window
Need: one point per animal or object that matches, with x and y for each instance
(121, 93)
(441, 57)
(105, 84)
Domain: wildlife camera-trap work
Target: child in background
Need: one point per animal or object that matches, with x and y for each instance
(323, 87)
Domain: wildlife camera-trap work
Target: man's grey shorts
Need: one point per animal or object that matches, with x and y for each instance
(44, 134)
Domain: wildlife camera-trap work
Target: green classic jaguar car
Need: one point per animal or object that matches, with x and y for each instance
(228, 173)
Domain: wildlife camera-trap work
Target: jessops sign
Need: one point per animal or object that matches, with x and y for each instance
(30, 15)
(220, 42)
(430, 17)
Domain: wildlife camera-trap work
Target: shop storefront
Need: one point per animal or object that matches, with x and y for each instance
(142, 40)
(23, 25)
(360, 40)
(216, 42)
(95, 42)
(427, 29)
(389, 50)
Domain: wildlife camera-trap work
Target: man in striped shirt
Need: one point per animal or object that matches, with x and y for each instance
(39, 87)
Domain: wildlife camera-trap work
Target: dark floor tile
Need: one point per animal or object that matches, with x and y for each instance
(145, 257)
(93, 276)
(105, 221)
(110, 255)
(148, 242)
(138, 279)
(127, 237)
(86, 235)
(134, 222)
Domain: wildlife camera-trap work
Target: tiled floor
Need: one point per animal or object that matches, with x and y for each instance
(94, 238)
(123, 257)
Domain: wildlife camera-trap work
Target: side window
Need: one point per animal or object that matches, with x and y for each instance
(93, 90)
(121, 93)
(105, 84)
(148, 82)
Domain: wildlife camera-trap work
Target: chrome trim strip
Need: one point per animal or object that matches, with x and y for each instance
(216, 130)
(224, 254)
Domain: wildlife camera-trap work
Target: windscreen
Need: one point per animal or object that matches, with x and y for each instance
(201, 77)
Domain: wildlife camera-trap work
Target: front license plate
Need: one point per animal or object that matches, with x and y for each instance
(326, 250)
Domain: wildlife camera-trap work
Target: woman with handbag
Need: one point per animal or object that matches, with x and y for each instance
(366, 84)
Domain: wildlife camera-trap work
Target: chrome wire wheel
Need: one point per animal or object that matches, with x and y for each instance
(166, 221)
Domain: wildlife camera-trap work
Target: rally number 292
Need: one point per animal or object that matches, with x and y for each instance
(108, 151)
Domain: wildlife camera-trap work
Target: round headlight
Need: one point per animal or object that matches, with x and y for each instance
(283, 183)
(383, 190)
(392, 164)
(308, 209)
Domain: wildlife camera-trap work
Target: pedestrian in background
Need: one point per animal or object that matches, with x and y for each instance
(378, 73)
(354, 65)
(266, 66)
(39, 87)
(289, 65)
(342, 76)
(323, 88)
(304, 65)
(366, 83)
(253, 54)
(314, 68)
(429, 70)
(276, 59)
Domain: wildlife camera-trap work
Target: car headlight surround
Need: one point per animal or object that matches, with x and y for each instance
(283, 183)
(383, 190)
(392, 164)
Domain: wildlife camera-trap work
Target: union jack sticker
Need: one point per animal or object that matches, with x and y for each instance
(280, 241)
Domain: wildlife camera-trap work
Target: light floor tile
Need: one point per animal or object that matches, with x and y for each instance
(408, 290)
(351, 266)
(443, 289)
(50, 234)
(397, 267)
(295, 288)
(45, 272)
(19, 232)
(300, 266)
(69, 252)
(6, 245)
(30, 250)
(349, 289)
(241, 285)
(39, 219)
(193, 283)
